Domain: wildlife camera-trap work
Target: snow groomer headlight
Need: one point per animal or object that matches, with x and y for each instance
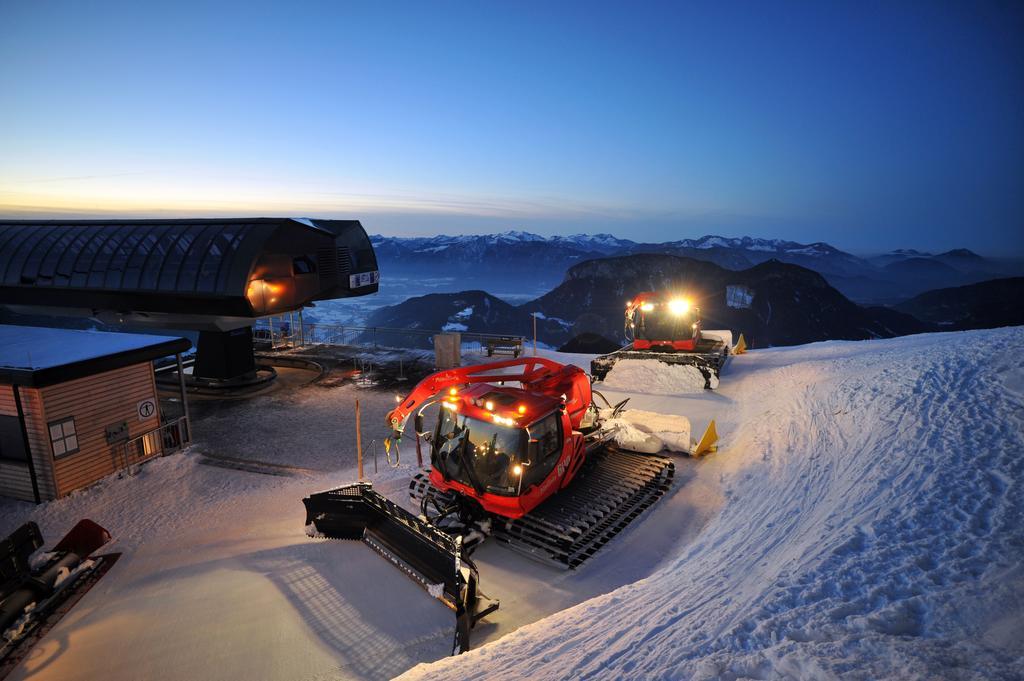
(679, 306)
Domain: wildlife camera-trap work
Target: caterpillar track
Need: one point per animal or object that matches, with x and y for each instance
(611, 490)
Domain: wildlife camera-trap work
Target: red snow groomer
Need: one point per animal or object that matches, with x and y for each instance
(517, 453)
(668, 328)
(656, 321)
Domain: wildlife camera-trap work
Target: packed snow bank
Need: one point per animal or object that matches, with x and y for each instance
(655, 378)
(647, 431)
(873, 528)
(724, 335)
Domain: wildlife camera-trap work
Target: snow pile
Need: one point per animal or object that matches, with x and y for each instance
(653, 377)
(64, 574)
(40, 558)
(457, 322)
(648, 432)
(724, 335)
(873, 527)
(739, 297)
(15, 631)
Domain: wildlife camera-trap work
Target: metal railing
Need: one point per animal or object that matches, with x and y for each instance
(282, 332)
(165, 439)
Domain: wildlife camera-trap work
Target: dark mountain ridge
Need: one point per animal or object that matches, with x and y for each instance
(985, 305)
(772, 303)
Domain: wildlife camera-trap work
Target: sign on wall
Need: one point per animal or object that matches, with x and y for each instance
(117, 432)
(146, 409)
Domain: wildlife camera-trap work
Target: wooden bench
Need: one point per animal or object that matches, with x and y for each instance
(512, 345)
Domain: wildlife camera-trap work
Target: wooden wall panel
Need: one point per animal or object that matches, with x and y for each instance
(7, 407)
(96, 402)
(15, 480)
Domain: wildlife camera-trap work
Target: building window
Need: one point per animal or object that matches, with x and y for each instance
(303, 265)
(12, 443)
(63, 437)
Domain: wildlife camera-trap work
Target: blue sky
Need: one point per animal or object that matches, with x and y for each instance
(868, 125)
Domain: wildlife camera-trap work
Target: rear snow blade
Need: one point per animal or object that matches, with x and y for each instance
(36, 597)
(430, 557)
(708, 358)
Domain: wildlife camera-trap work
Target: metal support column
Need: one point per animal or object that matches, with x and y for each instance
(27, 444)
(184, 399)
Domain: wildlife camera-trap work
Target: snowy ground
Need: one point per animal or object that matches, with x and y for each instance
(872, 529)
(862, 518)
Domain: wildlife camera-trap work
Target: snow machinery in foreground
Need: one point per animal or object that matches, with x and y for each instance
(669, 329)
(526, 465)
(38, 589)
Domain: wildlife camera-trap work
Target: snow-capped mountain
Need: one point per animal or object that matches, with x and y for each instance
(752, 244)
(515, 255)
(584, 243)
(602, 243)
(493, 261)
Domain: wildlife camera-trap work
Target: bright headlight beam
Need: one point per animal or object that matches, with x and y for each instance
(679, 306)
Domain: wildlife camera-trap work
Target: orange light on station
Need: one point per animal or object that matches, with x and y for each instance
(263, 294)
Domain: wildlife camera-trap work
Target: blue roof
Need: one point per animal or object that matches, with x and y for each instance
(43, 356)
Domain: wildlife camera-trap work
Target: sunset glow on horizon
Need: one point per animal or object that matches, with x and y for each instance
(655, 122)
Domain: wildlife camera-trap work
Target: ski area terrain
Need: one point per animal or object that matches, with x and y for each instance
(871, 528)
(862, 518)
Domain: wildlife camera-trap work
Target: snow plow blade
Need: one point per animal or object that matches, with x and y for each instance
(709, 358)
(36, 593)
(433, 559)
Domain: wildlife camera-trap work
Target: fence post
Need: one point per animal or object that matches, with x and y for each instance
(184, 399)
(359, 444)
(534, 334)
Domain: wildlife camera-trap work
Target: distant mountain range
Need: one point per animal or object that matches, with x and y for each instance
(989, 304)
(517, 258)
(773, 303)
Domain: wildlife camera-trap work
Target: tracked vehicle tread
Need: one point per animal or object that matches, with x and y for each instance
(610, 491)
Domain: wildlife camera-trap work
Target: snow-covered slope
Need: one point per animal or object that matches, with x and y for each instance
(873, 528)
(862, 519)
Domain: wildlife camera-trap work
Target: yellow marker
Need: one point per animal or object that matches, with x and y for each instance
(707, 441)
(740, 347)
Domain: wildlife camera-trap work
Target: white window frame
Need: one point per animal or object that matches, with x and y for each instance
(64, 437)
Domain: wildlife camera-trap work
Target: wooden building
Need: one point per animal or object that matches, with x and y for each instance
(76, 406)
